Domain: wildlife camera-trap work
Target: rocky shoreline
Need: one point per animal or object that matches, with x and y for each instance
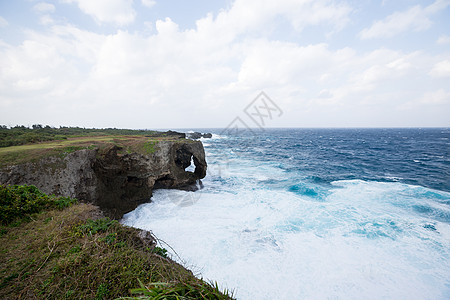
(115, 181)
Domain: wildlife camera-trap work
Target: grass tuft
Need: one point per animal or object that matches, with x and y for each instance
(175, 291)
(93, 226)
(160, 251)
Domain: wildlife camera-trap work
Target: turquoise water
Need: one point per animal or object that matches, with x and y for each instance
(316, 214)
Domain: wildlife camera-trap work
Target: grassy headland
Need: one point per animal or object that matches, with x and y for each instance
(21, 144)
(51, 248)
(55, 248)
(21, 135)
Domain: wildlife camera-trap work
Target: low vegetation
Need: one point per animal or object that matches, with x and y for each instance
(55, 248)
(21, 144)
(21, 135)
(34, 152)
(15, 155)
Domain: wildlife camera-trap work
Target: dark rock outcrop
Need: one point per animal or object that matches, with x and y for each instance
(116, 182)
(196, 135)
(171, 134)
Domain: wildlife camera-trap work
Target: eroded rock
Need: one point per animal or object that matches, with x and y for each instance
(116, 182)
(197, 135)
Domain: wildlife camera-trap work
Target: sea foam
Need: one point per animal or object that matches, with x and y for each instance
(264, 228)
(365, 241)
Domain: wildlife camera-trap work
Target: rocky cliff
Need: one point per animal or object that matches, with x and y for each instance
(116, 181)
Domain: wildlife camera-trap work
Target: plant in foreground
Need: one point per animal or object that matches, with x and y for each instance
(168, 291)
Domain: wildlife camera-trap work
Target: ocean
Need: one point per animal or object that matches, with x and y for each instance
(315, 214)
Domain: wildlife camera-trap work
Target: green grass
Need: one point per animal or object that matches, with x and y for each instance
(74, 253)
(167, 291)
(21, 144)
(34, 152)
(66, 144)
(21, 135)
(150, 147)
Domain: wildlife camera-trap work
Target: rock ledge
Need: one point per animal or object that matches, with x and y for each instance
(116, 182)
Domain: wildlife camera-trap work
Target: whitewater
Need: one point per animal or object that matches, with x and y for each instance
(315, 214)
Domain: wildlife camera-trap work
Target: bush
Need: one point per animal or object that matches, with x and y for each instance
(18, 202)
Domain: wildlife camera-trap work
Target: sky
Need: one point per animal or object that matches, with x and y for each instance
(201, 64)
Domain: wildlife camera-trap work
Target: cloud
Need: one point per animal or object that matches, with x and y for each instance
(436, 97)
(437, 6)
(3, 22)
(428, 100)
(441, 69)
(205, 76)
(262, 16)
(44, 10)
(135, 80)
(148, 3)
(46, 20)
(415, 18)
(443, 40)
(120, 12)
(44, 7)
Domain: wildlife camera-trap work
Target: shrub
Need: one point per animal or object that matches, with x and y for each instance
(19, 202)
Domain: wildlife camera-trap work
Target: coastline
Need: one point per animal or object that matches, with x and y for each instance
(117, 258)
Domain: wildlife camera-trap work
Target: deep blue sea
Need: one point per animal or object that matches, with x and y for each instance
(315, 214)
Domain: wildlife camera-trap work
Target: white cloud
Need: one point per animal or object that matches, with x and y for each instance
(148, 3)
(441, 69)
(429, 99)
(166, 27)
(443, 40)
(120, 12)
(437, 6)
(46, 20)
(436, 97)
(261, 16)
(161, 77)
(203, 77)
(43, 7)
(34, 84)
(415, 18)
(3, 22)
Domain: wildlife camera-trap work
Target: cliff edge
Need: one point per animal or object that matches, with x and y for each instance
(115, 173)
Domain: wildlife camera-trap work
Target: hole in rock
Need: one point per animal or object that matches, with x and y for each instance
(191, 167)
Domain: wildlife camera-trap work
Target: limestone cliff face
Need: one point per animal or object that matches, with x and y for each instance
(116, 182)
